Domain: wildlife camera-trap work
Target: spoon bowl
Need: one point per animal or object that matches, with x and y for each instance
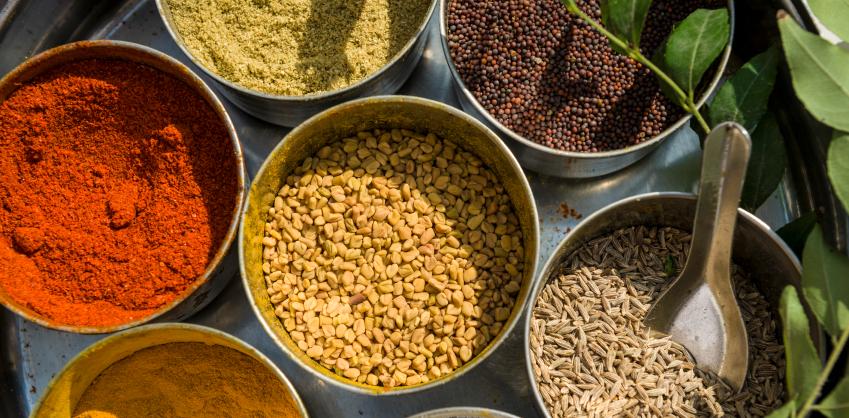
(701, 301)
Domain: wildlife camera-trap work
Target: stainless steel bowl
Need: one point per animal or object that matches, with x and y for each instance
(65, 390)
(568, 164)
(292, 110)
(223, 265)
(341, 122)
(466, 412)
(757, 250)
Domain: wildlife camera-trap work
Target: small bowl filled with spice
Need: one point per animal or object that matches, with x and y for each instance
(284, 61)
(170, 370)
(552, 87)
(120, 186)
(389, 244)
(589, 352)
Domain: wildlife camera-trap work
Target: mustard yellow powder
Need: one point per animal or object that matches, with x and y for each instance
(180, 380)
(296, 47)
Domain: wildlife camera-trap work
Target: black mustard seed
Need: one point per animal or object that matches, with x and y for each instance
(553, 79)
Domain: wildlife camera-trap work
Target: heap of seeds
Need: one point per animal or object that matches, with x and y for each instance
(392, 257)
(554, 80)
(296, 47)
(592, 356)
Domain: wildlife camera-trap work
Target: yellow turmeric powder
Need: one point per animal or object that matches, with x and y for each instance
(186, 380)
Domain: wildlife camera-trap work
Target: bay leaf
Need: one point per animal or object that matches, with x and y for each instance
(693, 45)
(766, 165)
(834, 14)
(625, 19)
(836, 403)
(819, 72)
(838, 166)
(825, 283)
(802, 362)
(744, 96)
(796, 232)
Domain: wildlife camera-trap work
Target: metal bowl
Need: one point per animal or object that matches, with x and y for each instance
(341, 122)
(292, 110)
(223, 265)
(468, 412)
(65, 390)
(757, 250)
(569, 164)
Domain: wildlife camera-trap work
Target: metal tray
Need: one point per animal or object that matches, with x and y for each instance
(30, 355)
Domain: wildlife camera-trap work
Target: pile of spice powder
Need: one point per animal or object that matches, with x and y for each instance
(553, 79)
(186, 380)
(296, 47)
(117, 184)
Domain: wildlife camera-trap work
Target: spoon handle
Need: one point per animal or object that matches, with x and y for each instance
(726, 155)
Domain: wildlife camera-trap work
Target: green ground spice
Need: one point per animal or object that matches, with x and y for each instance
(296, 47)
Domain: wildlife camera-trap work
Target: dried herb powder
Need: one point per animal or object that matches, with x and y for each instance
(296, 47)
(183, 380)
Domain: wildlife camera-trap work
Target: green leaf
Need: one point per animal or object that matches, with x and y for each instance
(838, 166)
(693, 45)
(834, 14)
(819, 74)
(825, 282)
(570, 5)
(625, 18)
(743, 98)
(670, 266)
(796, 232)
(787, 410)
(803, 364)
(836, 403)
(766, 165)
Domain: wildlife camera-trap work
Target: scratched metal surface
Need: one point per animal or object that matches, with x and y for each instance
(31, 355)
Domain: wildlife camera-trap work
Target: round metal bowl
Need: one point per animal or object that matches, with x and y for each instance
(569, 164)
(341, 122)
(222, 267)
(757, 250)
(292, 110)
(468, 412)
(65, 390)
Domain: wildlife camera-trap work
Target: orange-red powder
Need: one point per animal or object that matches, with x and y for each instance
(117, 185)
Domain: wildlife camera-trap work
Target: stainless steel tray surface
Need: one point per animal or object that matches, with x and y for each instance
(31, 355)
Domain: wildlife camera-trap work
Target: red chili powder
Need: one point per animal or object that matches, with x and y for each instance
(117, 184)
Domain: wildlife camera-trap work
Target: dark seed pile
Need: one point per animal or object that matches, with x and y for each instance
(553, 79)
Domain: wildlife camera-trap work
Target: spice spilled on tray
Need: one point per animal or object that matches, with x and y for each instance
(117, 185)
(185, 380)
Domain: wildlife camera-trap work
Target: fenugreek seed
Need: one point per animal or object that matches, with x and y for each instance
(315, 351)
(356, 299)
(361, 224)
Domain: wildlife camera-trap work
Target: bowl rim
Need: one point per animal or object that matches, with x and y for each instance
(164, 10)
(463, 412)
(544, 276)
(516, 313)
(197, 85)
(170, 326)
(473, 101)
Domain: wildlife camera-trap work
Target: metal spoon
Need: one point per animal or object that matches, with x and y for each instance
(699, 309)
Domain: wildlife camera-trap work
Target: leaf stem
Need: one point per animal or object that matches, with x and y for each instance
(829, 365)
(694, 110)
(634, 53)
